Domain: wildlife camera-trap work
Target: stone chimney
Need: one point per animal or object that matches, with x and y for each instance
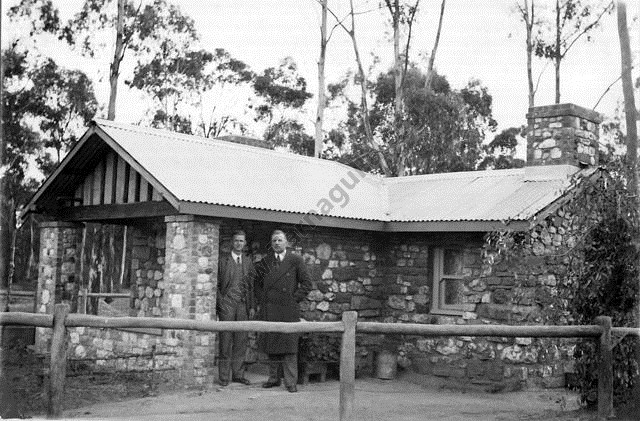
(562, 134)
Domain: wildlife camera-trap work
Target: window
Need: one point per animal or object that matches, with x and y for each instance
(448, 282)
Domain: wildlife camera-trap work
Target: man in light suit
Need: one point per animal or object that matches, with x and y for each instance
(281, 280)
(234, 302)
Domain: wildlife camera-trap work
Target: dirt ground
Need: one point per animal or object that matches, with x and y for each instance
(409, 397)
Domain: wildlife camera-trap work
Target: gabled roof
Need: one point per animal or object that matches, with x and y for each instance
(217, 178)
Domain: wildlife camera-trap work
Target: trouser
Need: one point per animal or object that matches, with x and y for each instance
(233, 345)
(283, 365)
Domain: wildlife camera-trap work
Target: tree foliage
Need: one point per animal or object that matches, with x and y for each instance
(43, 108)
(596, 273)
(63, 102)
(605, 280)
(443, 128)
(283, 92)
(281, 88)
(140, 29)
(501, 151)
(563, 26)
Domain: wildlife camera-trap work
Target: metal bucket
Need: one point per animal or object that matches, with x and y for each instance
(386, 365)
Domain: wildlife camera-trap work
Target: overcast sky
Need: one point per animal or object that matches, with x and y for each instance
(480, 39)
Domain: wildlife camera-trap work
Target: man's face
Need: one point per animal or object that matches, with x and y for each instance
(238, 243)
(278, 242)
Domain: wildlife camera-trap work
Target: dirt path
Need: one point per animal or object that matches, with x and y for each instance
(407, 398)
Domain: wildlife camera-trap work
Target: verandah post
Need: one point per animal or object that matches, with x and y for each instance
(605, 370)
(348, 366)
(58, 363)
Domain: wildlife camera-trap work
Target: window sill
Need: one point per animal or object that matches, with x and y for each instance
(445, 312)
(454, 312)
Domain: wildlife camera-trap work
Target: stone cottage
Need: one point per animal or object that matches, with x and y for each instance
(146, 212)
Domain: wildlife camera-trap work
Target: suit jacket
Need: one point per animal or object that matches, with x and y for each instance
(225, 302)
(278, 290)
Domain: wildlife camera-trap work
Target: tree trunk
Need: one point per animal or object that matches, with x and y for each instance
(6, 233)
(528, 20)
(3, 192)
(629, 101)
(397, 58)
(630, 111)
(557, 57)
(117, 59)
(394, 9)
(432, 57)
(317, 150)
(365, 107)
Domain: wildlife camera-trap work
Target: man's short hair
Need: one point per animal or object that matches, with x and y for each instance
(278, 232)
(239, 232)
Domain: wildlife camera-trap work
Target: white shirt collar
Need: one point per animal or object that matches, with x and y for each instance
(281, 255)
(235, 256)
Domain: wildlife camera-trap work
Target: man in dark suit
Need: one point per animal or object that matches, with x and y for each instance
(235, 301)
(281, 281)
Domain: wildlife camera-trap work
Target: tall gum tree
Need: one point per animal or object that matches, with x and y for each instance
(563, 26)
(121, 26)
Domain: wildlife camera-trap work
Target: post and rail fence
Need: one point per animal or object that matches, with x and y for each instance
(349, 326)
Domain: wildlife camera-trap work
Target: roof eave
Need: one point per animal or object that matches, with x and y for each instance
(456, 226)
(31, 205)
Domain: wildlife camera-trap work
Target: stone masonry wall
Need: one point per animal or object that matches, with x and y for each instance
(57, 272)
(562, 134)
(147, 270)
(135, 349)
(172, 276)
(385, 278)
(514, 291)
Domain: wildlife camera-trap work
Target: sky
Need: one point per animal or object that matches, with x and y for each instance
(484, 40)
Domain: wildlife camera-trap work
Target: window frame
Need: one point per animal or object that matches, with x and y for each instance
(438, 277)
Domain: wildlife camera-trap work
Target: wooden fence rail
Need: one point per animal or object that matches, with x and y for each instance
(61, 319)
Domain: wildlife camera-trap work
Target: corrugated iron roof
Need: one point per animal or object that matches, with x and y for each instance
(497, 195)
(209, 171)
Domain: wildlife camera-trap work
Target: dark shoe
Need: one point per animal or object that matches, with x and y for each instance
(241, 380)
(224, 382)
(292, 389)
(269, 385)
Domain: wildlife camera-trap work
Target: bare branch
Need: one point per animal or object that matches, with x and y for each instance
(587, 28)
(607, 90)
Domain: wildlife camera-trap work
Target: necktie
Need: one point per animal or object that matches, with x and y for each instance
(238, 260)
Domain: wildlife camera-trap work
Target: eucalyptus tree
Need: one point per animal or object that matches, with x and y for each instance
(111, 27)
(560, 28)
(44, 108)
(444, 128)
(282, 93)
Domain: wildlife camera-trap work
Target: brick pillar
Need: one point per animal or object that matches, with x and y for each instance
(562, 134)
(191, 280)
(58, 271)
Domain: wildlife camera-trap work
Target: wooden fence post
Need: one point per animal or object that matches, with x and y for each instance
(605, 370)
(58, 364)
(348, 366)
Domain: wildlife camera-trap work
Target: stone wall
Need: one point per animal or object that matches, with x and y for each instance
(147, 270)
(57, 272)
(385, 278)
(172, 276)
(517, 290)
